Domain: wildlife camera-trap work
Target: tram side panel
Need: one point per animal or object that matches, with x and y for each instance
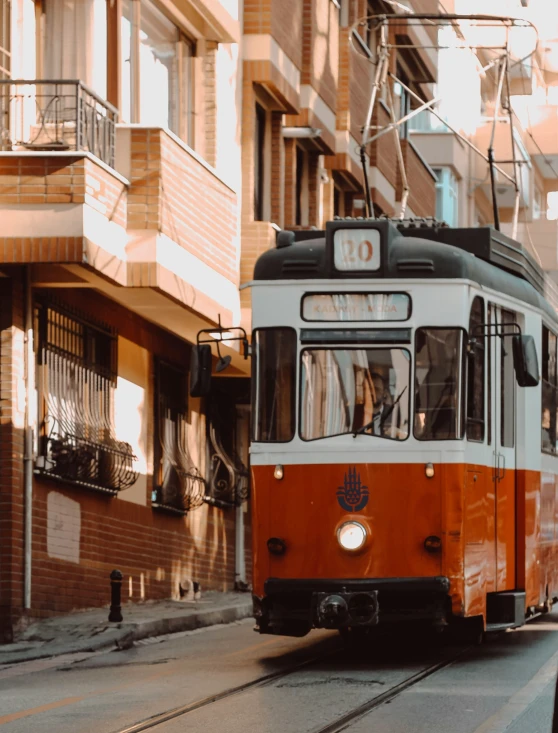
(529, 536)
(479, 546)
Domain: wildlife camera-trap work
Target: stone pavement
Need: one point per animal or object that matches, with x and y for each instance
(90, 631)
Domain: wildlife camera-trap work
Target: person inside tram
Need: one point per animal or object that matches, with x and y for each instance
(380, 413)
(546, 438)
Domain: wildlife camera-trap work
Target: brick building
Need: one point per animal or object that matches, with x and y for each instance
(134, 202)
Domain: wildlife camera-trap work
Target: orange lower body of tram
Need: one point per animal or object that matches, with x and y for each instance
(455, 544)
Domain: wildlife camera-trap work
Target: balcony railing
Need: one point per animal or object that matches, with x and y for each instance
(52, 115)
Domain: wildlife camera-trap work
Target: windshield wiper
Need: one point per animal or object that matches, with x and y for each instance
(391, 408)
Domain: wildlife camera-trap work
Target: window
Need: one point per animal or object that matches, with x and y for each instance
(338, 202)
(538, 206)
(274, 377)
(355, 390)
(489, 342)
(549, 404)
(404, 102)
(438, 383)
(475, 372)
(371, 30)
(259, 162)
(447, 196)
(74, 45)
(507, 384)
(301, 186)
(156, 70)
(76, 382)
(179, 485)
(5, 34)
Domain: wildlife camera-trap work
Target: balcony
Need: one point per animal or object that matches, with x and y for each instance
(56, 115)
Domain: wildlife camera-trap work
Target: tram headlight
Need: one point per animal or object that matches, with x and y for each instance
(351, 536)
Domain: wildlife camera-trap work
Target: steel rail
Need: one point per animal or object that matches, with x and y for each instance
(336, 726)
(344, 721)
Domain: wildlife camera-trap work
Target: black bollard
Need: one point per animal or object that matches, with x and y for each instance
(115, 588)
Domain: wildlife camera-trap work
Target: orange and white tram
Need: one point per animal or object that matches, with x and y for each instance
(404, 451)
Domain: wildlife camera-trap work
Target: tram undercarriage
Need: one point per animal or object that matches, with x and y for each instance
(294, 607)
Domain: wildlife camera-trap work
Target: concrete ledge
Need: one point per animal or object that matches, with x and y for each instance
(90, 632)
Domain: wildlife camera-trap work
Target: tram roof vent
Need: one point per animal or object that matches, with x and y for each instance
(425, 222)
(300, 266)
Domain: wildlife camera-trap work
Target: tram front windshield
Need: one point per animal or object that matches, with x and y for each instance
(359, 390)
(355, 390)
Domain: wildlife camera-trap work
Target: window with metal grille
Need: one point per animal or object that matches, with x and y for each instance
(179, 483)
(76, 383)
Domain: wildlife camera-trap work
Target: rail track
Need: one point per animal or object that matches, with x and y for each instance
(336, 726)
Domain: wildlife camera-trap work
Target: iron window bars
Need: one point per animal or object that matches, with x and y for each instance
(179, 484)
(55, 115)
(229, 483)
(77, 382)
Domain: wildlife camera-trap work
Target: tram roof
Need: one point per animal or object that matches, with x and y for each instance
(427, 251)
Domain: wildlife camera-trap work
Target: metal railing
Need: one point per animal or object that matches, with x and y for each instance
(52, 115)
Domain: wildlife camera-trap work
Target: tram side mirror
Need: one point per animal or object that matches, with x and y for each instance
(525, 361)
(200, 370)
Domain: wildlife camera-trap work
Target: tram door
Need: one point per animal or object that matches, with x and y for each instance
(503, 406)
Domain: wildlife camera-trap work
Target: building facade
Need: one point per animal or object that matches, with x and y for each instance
(149, 151)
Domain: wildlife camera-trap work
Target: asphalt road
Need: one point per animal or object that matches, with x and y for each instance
(292, 685)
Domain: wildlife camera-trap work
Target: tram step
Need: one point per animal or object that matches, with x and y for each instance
(492, 628)
(507, 609)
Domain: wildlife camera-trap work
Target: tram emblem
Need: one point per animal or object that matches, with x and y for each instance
(352, 496)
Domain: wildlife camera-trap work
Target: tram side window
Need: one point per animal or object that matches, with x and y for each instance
(438, 384)
(475, 373)
(274, 378)
(548, 393)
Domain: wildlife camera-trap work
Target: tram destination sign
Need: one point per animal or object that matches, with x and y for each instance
(356, 307)
(356, 250)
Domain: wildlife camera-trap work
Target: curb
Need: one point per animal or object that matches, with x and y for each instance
(174, 625)
(124, 637)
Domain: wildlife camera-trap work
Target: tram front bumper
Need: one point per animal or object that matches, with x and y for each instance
(294, 606)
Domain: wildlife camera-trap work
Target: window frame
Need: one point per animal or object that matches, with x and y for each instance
(447, 184)
(352, 347)
(545, 382)
(5, 39)
(261, 161)
(463, 387)
(184, 104)
(470, 368)
(82, 355)
(256, 391)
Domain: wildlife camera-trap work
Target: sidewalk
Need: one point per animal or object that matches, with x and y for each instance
(89, 631)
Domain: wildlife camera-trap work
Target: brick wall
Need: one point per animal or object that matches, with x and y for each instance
(422, 198)
(173, 192)
(79, 536)
(280, 18)
(210, 102)
(11, 452)
(154, 549)
(62, 180)
(320, 49)
(383, 152)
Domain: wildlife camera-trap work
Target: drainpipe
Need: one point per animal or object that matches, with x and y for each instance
(28, 437)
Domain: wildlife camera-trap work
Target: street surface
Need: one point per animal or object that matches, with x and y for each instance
(310, 684)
